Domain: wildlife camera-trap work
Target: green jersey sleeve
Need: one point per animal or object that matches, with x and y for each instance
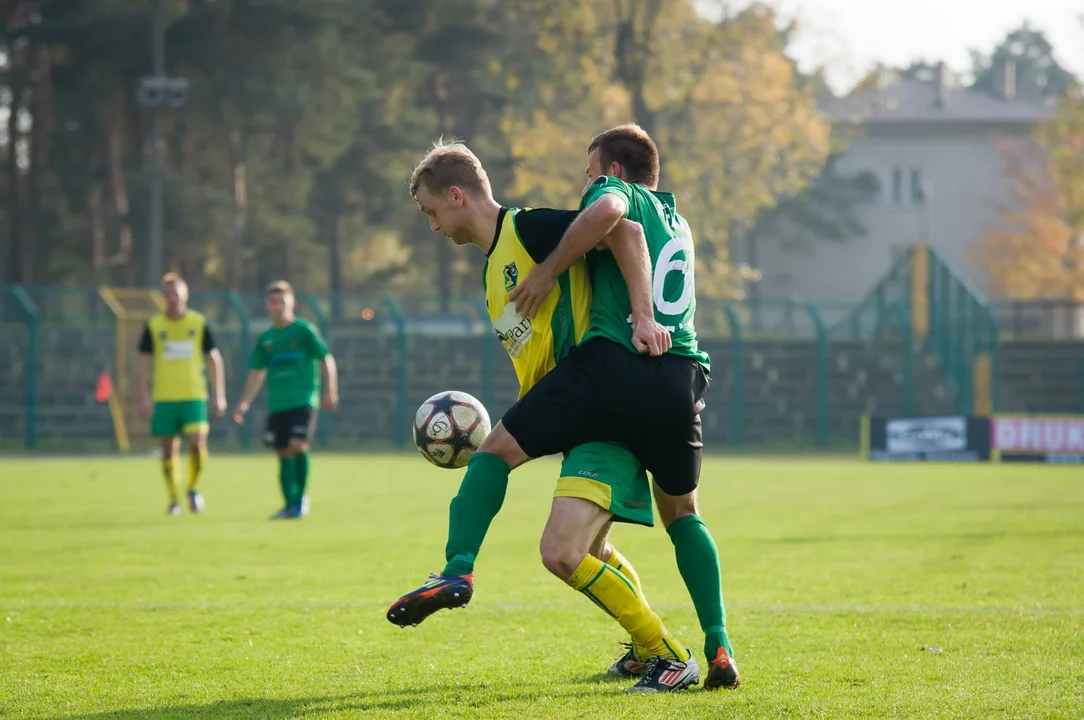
(605, 184)
(314, 343)
(258, 360)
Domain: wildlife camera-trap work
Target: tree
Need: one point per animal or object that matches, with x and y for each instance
(305, 119)
(1036, 251)
(823, 210)
(921, 71)
(1038, 74)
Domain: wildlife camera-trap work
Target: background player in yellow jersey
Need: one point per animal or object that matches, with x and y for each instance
(599, 482)
(176, 344)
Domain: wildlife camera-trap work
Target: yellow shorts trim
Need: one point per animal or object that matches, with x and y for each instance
(593, 491)
(196, 428)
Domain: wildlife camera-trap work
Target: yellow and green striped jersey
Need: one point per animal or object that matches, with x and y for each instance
(523, 239)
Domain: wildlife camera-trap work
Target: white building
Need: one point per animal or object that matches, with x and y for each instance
(937, 150)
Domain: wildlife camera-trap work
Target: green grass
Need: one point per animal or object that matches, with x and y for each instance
(853, 590)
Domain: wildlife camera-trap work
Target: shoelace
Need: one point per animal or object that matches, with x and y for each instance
(655, 662)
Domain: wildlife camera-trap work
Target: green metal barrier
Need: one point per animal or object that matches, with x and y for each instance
(30, 313)
(312, 300)
(237, 304)
(962, 326)
(821, 391)
(402, 421)
(489, 352)
(736, 393)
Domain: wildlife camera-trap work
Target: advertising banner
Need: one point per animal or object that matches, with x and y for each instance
(1038, 438)
(940, 439)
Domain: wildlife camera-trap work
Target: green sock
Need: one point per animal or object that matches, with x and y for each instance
(698, 563)
(480, 497)
(286, 479)
(301, 462)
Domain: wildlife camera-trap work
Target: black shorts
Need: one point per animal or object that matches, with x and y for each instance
(603, 392)
(293, 423)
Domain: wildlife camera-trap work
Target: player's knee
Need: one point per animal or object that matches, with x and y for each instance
(560, 559)
(298, 445)
(500, 442)
(672, 508)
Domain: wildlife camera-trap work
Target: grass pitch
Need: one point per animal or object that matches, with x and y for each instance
(853, 591)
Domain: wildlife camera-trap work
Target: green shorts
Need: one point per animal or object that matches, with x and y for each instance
(610, 476)
(185, 417)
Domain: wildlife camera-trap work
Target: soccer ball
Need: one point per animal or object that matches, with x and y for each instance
(449, 427)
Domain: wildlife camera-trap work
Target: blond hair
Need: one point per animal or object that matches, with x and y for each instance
(447, 164)
(172, 278)
(280, 286)
(633, 149)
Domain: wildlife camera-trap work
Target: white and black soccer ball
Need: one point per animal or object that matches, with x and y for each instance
(449, 427)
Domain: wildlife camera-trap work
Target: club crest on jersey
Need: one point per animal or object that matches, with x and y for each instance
(511, 277)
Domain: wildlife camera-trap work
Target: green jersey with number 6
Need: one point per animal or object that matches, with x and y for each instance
(673, 291)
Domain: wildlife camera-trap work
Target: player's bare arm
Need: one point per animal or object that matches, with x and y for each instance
(217, 375)
(585, 233)
(629, 247)
(330, 373)
(144, 385)
(253, 383)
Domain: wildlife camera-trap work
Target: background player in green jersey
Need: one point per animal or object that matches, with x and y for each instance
(287, 354)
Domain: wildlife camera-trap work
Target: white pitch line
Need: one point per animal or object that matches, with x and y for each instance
(513, 607)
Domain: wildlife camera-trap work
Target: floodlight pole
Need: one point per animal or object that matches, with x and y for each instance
(154, 251)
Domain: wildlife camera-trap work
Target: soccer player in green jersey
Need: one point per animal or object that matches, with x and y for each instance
(622, 181)
(287, 354)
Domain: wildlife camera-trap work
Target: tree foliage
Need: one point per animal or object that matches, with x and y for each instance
(1038, 74)
(304, 120)
(1036, 251)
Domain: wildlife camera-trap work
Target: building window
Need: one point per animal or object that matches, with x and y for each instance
(907, 187)
(918, 192)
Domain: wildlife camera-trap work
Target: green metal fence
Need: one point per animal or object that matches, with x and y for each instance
(785, 374)
(924, 304)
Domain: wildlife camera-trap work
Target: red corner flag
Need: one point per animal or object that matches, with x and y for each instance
(105, 387)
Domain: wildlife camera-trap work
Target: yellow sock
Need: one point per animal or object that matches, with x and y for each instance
(621, 565)
(169, 472)
(612, 592)
(196, 461)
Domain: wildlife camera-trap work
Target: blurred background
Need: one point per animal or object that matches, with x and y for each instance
(888, 202)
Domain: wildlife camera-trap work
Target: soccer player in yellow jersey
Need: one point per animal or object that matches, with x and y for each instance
(600, 482)
(176, 344)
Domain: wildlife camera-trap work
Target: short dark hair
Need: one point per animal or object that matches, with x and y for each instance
(633, 149)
